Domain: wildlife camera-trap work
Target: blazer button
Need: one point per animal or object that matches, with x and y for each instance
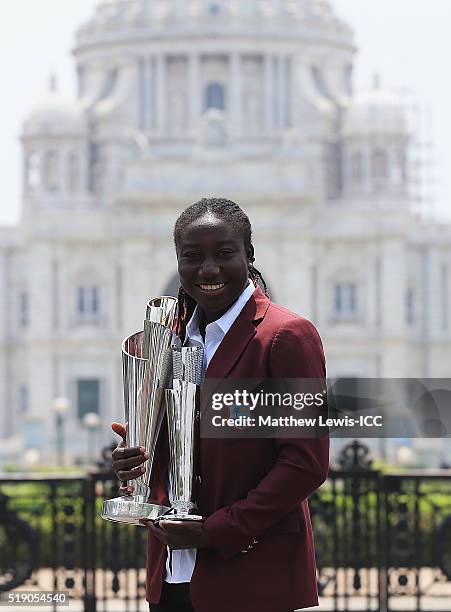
(199, 479)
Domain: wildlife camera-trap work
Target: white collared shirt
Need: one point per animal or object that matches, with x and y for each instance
(184, 560)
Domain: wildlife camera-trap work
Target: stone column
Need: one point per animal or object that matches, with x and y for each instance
(435, 294)
(41, 346)
(281, 78)
(6, 299)
(367, 179)
(235, 93)
(289, 89)
(161, 92)
(141, 65)
(195, 93)
(269, 94)
(393, 328)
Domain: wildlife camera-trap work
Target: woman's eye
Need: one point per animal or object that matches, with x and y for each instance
(225, 252)
(190, 256)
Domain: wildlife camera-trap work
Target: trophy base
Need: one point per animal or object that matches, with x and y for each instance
(128, 510)
(179, 517)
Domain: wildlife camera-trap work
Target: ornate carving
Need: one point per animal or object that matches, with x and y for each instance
(18, 542)
(442, 546)
(104, 465)
(355, 456)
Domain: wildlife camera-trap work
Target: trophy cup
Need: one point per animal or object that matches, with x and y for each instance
(146, 367)
(181, 414)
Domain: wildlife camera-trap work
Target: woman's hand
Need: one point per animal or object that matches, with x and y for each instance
(179, 534)
(127, 462)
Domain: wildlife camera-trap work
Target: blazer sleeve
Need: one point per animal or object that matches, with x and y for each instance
(301, 465)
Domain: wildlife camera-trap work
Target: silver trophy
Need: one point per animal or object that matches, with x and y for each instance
(181, 414)
(147, 370)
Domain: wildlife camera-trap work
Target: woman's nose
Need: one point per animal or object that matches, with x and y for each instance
(209, 268)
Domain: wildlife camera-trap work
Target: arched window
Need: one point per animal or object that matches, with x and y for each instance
(214, 8)
(73, 172)
(333, 162)
(345, 300)
(51, 171)
(379, 165)
(319, 81)
(214, 96)
(88, 396)
(87, 305)
(109, 84)
(33, 170)
(357, 168)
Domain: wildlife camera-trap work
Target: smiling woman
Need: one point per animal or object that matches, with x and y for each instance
(215, 257)
(257, 534)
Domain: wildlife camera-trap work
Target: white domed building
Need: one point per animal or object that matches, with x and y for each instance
(179, 99)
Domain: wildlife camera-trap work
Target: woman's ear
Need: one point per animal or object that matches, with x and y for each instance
(250, 255)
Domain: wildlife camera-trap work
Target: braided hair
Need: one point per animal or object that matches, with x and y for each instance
(228, 211)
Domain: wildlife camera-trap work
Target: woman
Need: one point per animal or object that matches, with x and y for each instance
(254, 551)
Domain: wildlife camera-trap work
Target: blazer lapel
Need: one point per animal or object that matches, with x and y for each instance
(238, 336)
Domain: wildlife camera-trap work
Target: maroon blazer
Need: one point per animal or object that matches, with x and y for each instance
(254, 492)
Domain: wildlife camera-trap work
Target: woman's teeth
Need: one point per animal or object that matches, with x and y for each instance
(212, 287)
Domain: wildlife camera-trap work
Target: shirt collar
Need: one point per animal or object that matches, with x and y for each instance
(228, 318)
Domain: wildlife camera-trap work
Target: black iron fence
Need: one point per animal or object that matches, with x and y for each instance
(383, 541)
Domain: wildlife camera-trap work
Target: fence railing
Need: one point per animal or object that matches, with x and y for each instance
(383, 541)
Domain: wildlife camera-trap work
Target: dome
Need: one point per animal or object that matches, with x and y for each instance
(113, 17)
(376, 111)
(53, 115)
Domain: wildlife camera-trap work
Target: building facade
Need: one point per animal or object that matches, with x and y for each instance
(180, 99)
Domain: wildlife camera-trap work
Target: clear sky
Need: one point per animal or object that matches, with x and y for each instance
(405, 41)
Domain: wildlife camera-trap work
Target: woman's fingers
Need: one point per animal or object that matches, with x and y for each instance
(123, 452)
(157, 532)
(128, 474)
(126, 459)
(125, 468)
(129, 463)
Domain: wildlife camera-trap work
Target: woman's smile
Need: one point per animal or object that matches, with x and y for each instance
(216, 288)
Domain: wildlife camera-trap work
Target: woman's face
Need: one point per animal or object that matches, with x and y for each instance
(212, 262)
